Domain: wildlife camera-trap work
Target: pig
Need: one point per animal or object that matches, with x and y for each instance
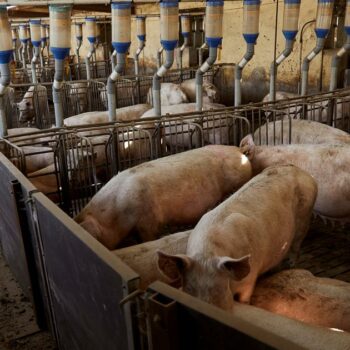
(291, 110)
(298, 294)
(326, 163)
(170, 94)
(26, 136)
(258, 228)
(79, 168)
(210, 92)
(142, 258)
(148, 197)
(34, 100)
(37, 157)
(124, 114)
(183, 134)
(302, 132)
(78, 96)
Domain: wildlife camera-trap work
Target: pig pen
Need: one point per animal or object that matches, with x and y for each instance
(88, 296)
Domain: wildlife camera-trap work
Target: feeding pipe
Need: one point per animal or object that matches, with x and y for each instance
(79, 38)
(43, 43)
(14, 33)
(6, 53)
(213, 37)
(169, 37)
(185, 31)
(114, 59)
(121, 40)
(323, 25)
(159, 57)
(79, 41)
(289, 30)
(47, 30)
(141, 36)
(23, 37)
(91, 36)
(60, 34)
(345, 49)
(35, 35)
(29, 45)
(251, 13)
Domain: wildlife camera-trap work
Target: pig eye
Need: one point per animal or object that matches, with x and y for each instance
(27, 104)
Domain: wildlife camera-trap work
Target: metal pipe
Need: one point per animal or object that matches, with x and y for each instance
(57, 92)
(5, 77)
(24, 54)
(169, 60)
(87, 61)
(118, 70)
(238, 72)
(274, 65)
(213, 51)
(35, 60)
(137, 54)
(306, 64)
(182, 49)
(159, 57)
(200, 53)
(114, 59)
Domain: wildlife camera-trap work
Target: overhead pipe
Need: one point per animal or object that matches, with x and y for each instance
(169, 37)
(185, 31)
(345, 49)
(14, 33)
(35, 35)
(141, 35)
(251, 13)
(43, 43)
(29, 45)
(6, 53)
(23, 37)
(60, 34)
(47, 30)
(213, 37)
(79, 41)
(289, 30)
(121, 40)
(91, 36)
(323, 25)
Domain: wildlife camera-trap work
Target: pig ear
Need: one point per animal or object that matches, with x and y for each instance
(173, 266)
(238, 268)
(247, 146)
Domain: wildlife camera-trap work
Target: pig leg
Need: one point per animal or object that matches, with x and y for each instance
(293, 254)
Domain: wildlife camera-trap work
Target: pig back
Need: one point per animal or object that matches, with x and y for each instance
(300, 295)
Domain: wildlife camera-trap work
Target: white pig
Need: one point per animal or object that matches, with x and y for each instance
(298, 294)
(174, 190)
(302, 132)
(250, 233)
(210, 92)
(328, 164)
(170, 94)
(34, 100)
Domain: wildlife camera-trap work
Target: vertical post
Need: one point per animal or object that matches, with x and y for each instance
(60, 33)
(5, 59)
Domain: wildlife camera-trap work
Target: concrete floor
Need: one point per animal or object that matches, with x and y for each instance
(18, 329)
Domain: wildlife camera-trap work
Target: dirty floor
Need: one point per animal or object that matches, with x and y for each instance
(18, 329)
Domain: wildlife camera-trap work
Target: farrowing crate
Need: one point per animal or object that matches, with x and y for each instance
(77, 284)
